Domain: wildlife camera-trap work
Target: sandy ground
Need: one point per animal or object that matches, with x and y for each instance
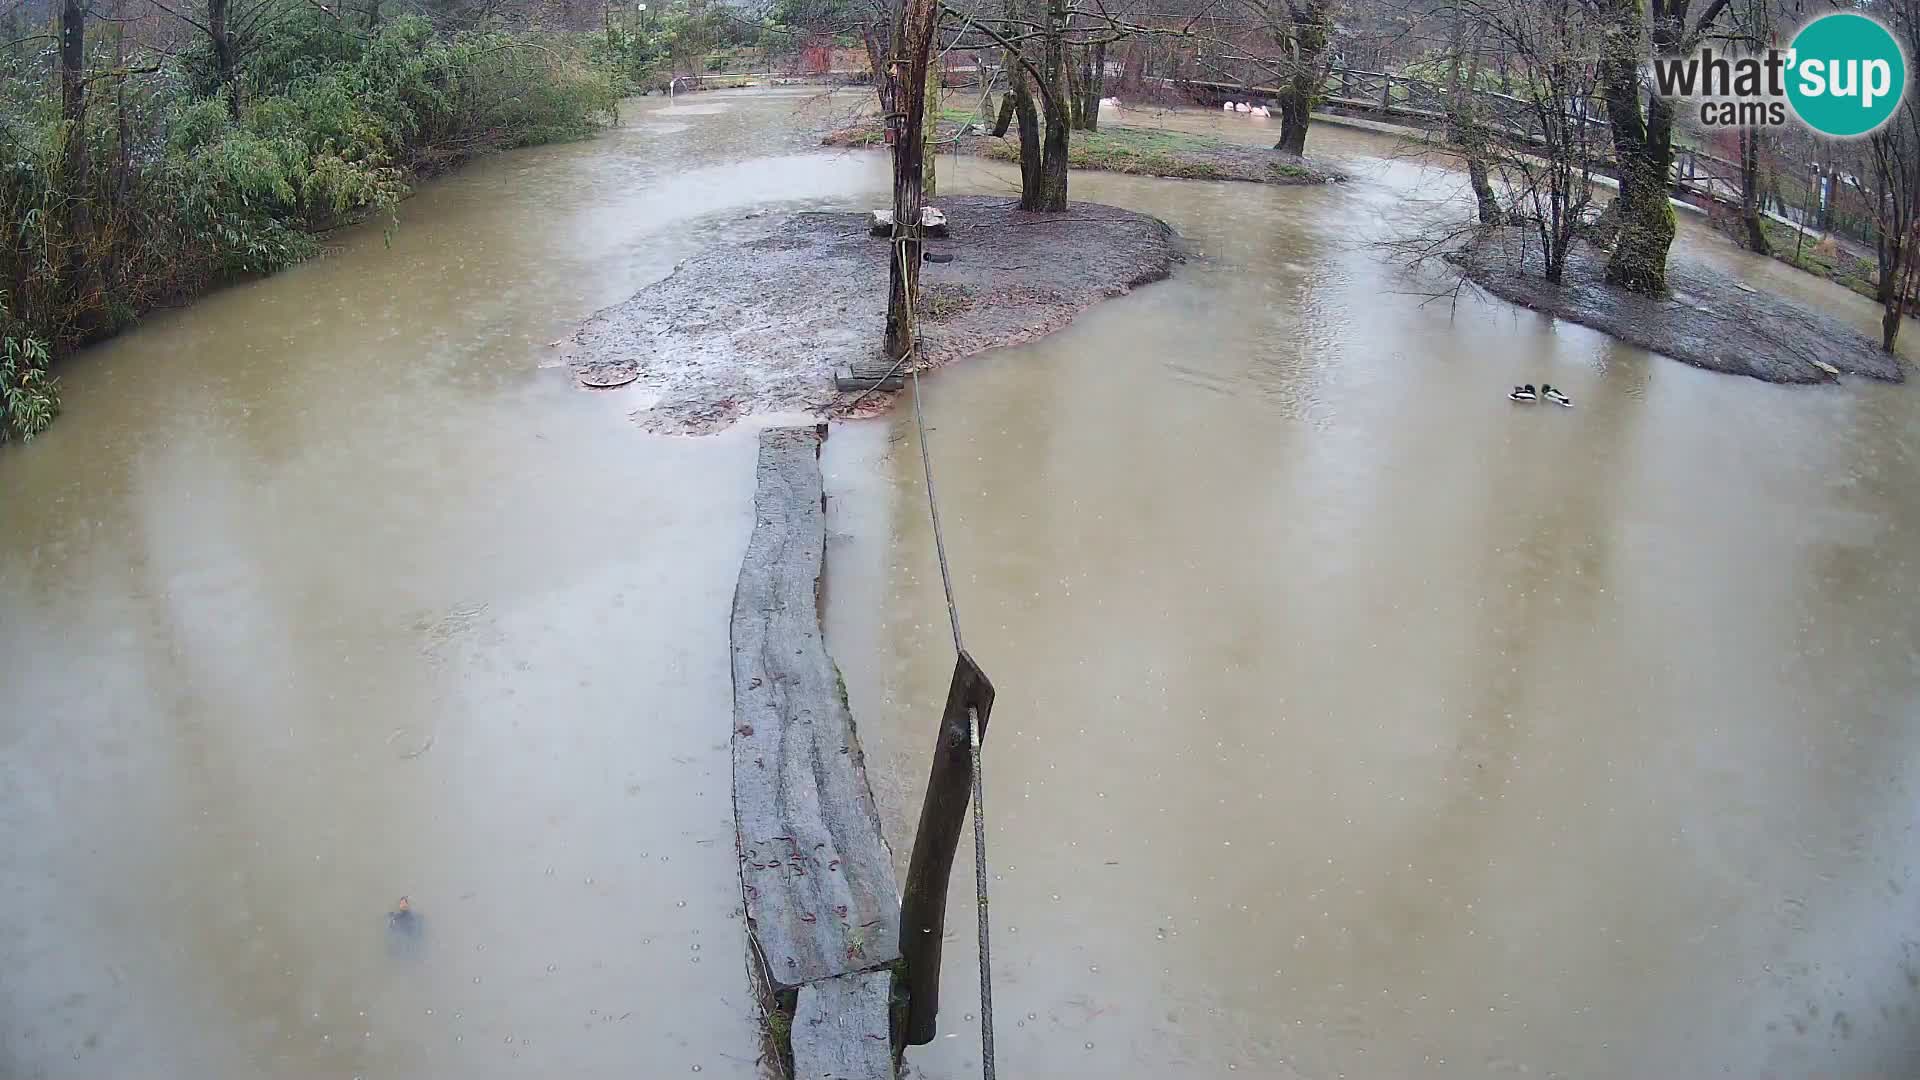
(757, 325)
(1707, 320)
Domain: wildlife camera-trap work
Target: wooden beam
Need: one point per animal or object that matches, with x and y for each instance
(923, 909)
(815, 870)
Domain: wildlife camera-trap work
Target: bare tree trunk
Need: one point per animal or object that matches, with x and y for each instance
(1027, 113)
(1005, 119)
(222, 42)
(81, 280)
(908, 72)
(1750, 191)
(876, 45)
(1094, 86)
(930, 131)
(1133, 66)
(1892, 256)
(1051, 195)
(1463, 121)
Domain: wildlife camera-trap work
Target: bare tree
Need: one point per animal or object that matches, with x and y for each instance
(1548, 172)
(1466, 127)
(1894, 153)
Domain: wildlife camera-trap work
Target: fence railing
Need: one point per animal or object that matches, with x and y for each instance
(1518, 118)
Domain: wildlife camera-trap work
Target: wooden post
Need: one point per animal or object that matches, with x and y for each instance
(907, 75)
(923, 904)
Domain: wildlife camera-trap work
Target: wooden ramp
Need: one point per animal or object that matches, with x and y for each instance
(823, 907)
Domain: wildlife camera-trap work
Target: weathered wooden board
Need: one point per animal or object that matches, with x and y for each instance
(840, 1029)
(869, 376)
(821, 896)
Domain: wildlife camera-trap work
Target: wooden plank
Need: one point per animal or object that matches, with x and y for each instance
(840, 1029)
(923, 911)
(867, 377)
(821, 895)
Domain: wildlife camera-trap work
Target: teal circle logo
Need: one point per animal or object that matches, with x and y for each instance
(1847, 75)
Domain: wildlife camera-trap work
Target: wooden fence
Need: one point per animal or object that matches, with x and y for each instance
(1425, 104)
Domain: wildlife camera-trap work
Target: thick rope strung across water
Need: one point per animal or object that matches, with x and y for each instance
(973, 741)
(973, 715)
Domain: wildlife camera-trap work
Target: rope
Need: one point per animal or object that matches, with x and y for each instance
(973, 715)
(980, 895)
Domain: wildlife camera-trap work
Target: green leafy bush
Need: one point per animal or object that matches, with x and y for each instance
(29, 397)
(184, 182)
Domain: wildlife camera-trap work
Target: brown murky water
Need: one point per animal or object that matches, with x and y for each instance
(323, 592)
(1353, 721)
(1356, 722)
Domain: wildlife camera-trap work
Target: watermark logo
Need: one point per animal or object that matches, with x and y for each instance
(1843, 75)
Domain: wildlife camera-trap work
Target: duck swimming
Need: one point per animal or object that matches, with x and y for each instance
(1555, 396)
(1523, 393)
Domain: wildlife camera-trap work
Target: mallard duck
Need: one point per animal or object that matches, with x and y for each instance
(1523, 393)
(1555, 396)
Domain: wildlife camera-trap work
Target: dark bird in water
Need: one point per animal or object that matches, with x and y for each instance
(1523, 393)
(402, 917)
(1555, 396)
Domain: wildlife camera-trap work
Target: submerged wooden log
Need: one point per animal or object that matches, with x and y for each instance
(820, 892)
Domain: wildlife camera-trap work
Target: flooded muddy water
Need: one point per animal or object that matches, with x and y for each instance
(324, 592)
(1352, 721)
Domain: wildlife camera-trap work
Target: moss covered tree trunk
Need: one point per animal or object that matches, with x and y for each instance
(1307, 32)
(1643, 153)
(1643, 137)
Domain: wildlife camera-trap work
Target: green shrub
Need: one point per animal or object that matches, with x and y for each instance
(179, 189)
(29, 397)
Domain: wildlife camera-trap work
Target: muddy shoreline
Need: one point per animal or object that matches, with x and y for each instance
(1707, 319)
(756, 325)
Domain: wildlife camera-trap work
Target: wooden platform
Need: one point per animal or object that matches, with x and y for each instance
(823, 907)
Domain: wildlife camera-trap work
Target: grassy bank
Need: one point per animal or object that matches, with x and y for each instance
(1118, 148)
(1821, 258)
(186, 177)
